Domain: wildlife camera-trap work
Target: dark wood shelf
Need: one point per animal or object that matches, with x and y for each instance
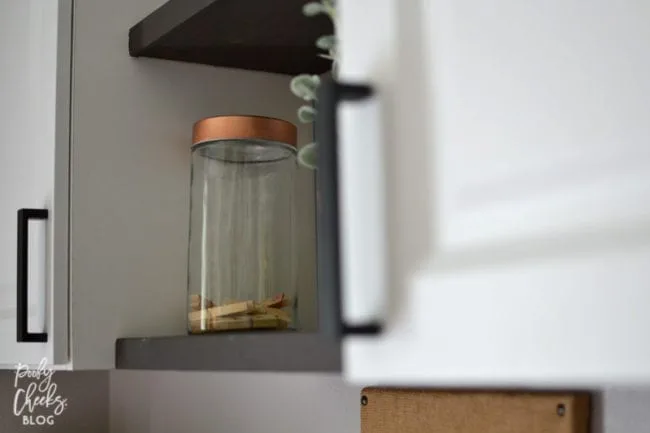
(242, 351)
(263, 35)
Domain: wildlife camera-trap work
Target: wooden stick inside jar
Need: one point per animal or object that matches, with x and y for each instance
(267, 314)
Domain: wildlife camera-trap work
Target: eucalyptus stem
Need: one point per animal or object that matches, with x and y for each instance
(305, 86)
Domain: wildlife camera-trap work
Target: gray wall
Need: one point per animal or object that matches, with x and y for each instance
(166, 402)
(87, 395)
(620, 410)
(162, 402)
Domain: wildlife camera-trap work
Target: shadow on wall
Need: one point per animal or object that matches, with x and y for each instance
(78, 403)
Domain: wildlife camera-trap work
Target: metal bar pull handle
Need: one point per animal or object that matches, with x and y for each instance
(22, 333)
(344, 275)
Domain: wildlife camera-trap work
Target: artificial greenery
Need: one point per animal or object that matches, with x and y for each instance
(305, 86)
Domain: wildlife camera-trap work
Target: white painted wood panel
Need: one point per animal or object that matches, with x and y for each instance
(538, 115)
(33, 141)
(517, 206)
(575, 320)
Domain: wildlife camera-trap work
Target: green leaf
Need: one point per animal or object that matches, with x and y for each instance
(304, 86)
(313, 8)
(307, 114)
(307, 155)
(330, 8)
(326, 42)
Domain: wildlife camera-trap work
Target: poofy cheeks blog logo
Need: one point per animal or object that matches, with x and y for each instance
(37, 392)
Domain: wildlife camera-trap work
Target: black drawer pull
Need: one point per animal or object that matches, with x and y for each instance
(22, 333)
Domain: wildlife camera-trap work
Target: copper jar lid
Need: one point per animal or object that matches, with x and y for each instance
(242, 127)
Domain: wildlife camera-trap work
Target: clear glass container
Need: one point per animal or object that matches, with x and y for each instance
(242, 258)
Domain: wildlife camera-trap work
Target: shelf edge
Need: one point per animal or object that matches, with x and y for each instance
(277, 352)
(161, 22)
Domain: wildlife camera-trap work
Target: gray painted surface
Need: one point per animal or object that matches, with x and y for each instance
(166, 402)
(266, 351)
(622, 411)
(130, 185)
(87, 398)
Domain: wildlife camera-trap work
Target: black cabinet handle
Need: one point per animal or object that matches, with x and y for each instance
(22, 334)
(330, 319)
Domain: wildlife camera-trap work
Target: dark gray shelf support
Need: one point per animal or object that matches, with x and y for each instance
(268, 351)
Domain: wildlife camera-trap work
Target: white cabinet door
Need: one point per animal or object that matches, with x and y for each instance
(517, 178)
(34, 118)
(541, 128)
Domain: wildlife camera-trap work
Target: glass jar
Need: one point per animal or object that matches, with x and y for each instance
(241, 270)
